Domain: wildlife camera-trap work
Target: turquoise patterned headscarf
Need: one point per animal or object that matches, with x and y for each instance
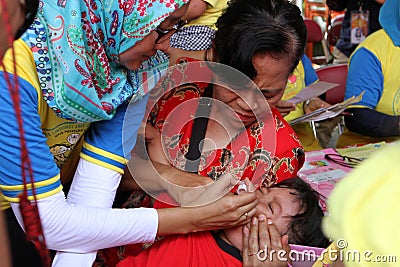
(76, 44)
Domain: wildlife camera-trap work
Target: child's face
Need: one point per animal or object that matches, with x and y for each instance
(279, 205)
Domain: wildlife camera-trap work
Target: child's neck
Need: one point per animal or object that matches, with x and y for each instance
(233, 237)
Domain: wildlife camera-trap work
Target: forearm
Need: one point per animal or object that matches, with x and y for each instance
(143, 174)
(224, 213)
(79, 229)
(372, 123)
(171, 222)
(154, 177)
(93, 185)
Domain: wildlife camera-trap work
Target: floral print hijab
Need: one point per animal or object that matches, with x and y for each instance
(76, 43)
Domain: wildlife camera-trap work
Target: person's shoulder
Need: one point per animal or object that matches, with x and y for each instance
(23, 63)
(379, 44)
(376, 40)
(212, 3)
(221, 4)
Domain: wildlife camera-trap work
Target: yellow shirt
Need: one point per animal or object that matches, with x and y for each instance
(363, 216)
(212, 13)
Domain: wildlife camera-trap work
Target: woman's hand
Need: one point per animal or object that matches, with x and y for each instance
(285, 107)
(314, 104)
(260, 238)
(227, 212)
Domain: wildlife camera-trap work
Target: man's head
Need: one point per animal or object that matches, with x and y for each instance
(257, 27)
(264, 40)
(293, 206)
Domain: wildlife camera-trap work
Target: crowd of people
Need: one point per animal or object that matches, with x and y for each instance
(183, 103)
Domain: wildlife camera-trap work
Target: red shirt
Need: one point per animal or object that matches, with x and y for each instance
(190, 250)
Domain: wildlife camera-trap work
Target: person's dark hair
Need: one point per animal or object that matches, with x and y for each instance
(31, 8)
(305, 228)
(250, 27)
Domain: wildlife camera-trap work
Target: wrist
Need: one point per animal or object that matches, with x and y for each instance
(176, 221)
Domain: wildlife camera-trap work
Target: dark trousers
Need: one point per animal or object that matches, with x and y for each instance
(23, 252)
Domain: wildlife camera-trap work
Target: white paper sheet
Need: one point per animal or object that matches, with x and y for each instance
(328, 112)
(311, 91)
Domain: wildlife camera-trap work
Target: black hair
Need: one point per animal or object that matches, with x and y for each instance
(250, 27)
(31, 8)
(305, 228)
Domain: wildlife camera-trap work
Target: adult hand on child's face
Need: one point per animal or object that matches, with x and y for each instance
(259, 239)
(216, 189)
(195, 191)
(227, 212)
(285, 107)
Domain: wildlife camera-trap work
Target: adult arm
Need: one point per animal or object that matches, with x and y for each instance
(195, 9)
(370, 122)
(226, 212)
(183, 187)
(365, 75)
(150, 170)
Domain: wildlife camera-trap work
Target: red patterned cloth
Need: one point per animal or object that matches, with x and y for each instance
(250, 154)
(194, 249)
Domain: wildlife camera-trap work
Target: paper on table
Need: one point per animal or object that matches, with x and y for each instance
(361, 152)
(321, 173)
(311, 91)
(328, 112)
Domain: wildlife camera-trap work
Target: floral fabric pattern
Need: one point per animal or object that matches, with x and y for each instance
(245, 155)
